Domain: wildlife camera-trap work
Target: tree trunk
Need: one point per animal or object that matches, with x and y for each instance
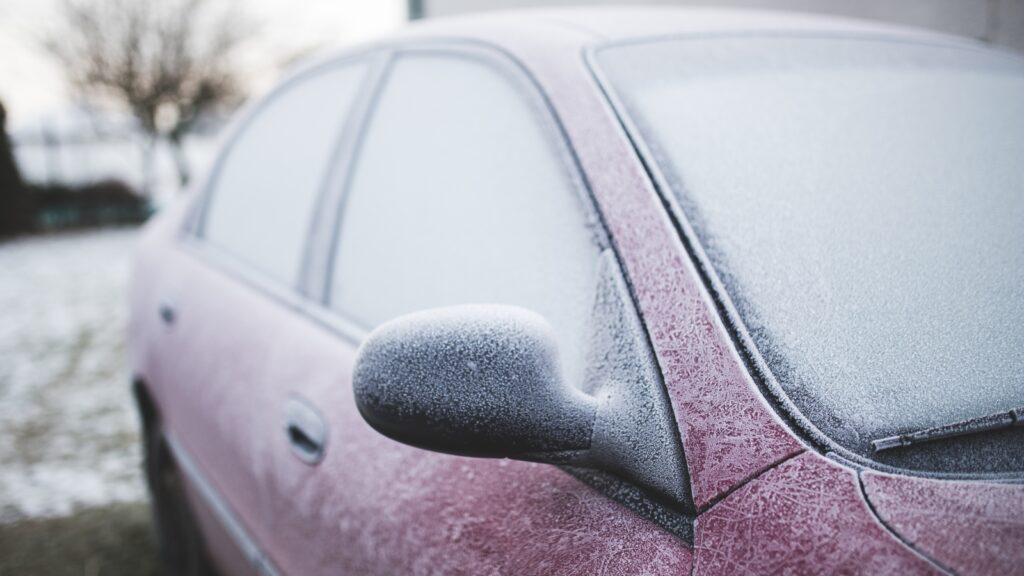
(180, 160)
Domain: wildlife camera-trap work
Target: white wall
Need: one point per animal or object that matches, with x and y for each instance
(997, 21)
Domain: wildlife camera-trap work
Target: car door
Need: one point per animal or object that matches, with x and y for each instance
(460, 190)
(236, 277)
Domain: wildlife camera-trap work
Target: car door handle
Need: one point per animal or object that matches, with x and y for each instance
(306, 430)
(167, 313)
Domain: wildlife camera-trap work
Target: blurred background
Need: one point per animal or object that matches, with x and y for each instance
(108, 109)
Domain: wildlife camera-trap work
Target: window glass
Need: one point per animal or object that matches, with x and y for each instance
(266, 187)
(462, 195)
(863, 203)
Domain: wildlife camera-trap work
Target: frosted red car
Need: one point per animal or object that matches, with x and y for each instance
(599, 292)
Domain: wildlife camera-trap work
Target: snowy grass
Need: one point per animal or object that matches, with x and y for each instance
(68, 430)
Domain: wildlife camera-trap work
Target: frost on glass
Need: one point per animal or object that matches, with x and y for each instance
(863, 204)
(264, 193)
(461, 195)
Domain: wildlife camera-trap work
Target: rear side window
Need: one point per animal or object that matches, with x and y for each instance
(463, 193)
(263, 195)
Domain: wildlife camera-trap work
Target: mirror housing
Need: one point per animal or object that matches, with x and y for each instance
(484, 380)
(475, 380)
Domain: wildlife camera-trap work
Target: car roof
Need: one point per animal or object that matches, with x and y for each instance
(533, 35)
(583, 27)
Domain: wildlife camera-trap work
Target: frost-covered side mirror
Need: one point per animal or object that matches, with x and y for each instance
(477, 380)
(484, 380)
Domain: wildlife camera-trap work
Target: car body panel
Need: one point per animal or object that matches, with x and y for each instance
(806, 516)
(970, 527)
(156, 280)
(213, 394)
(374, 506)
(225, 542)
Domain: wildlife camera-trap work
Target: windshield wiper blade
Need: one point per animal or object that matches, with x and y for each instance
(999, 421)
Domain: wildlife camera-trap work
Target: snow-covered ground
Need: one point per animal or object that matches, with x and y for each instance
(68, 430)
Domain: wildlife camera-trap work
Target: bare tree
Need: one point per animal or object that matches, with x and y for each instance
(169, 62)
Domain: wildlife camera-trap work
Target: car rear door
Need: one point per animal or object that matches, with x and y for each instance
(237, 280)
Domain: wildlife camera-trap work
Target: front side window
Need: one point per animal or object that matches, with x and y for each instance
(264, 191)
(462, 193)
(862, 202)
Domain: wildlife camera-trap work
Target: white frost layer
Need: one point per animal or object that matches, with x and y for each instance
(68, 431)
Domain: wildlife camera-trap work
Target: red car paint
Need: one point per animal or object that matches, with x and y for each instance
(805, 516)
(765, 502)
(966, 526)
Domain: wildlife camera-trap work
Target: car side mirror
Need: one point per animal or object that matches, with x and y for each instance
(484, 380)
(476, 380)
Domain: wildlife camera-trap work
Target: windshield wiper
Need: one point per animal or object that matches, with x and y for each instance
(999, 421)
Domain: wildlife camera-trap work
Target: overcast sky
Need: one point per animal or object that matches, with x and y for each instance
(31, 84)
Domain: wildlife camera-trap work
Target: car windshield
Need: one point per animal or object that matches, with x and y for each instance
(861, 201)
